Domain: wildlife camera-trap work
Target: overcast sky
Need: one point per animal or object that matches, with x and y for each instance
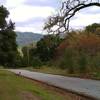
(30, 15)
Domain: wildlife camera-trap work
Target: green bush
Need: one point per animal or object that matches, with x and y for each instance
(83, 63)
(67, 61)
(36, 62)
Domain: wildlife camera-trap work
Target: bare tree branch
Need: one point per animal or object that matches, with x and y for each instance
(68, 10)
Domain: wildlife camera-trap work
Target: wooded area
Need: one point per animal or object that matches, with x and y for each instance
(78, 51)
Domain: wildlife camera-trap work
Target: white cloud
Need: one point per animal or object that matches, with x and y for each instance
(14, 3)
(29, 29)
(24, 13)
(21, 12)
(85, 19)
(35, 27)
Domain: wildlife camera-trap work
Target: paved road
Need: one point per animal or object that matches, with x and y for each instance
(82, 86)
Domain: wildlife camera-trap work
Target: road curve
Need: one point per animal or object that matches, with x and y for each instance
(82, 86)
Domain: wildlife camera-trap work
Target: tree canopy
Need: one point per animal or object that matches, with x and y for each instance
(8, 46)
(94, 28)
(46, 47)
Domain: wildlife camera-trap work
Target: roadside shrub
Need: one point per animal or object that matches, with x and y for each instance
(83, 63)
(36, 62)
(68, 61)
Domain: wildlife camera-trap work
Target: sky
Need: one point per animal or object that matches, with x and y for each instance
(30, 15)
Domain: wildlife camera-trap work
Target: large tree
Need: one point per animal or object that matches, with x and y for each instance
(8, 46)
(60, 21)
(47, 45)
(93, 28)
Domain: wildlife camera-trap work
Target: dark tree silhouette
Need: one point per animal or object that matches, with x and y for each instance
(8, 46)
(68, 10)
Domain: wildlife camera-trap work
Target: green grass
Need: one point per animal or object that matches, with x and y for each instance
(13, 87)
(96, 75)
(49, 70)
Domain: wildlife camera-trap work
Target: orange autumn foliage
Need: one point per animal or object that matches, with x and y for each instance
(87, 43)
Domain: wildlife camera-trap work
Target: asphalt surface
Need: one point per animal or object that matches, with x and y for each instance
(86, 87)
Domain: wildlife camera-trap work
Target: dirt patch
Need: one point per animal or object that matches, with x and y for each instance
(29, 96)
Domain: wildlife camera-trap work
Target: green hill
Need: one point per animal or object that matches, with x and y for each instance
(25, 38)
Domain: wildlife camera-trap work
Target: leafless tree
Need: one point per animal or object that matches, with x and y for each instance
(61, 20)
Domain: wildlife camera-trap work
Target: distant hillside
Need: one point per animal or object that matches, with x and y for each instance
(25, 38)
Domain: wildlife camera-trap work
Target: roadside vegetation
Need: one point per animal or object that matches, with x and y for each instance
(76, 53)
